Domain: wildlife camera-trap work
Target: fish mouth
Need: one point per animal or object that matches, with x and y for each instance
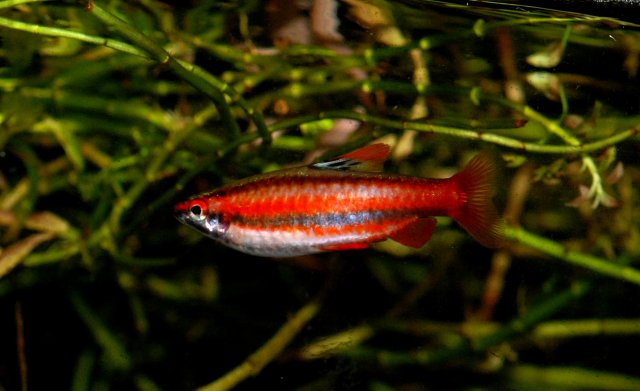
(183, 217)
(181, 213)
(180, 216)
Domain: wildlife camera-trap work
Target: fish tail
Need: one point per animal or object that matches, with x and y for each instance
(478, 214)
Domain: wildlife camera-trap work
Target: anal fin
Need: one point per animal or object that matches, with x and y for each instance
(345, 246)
(415, 233)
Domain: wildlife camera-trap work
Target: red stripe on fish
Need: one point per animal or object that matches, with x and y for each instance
(340, 204)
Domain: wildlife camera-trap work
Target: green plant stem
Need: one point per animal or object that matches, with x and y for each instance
(81, 380)
(13, 3)
(270, 350)
(341, 342)
(461, 133)
(549, 330)
(110, 107)
(465, 349)
(598, 265)
(551, 125)
(62, 33)
(569, 378)
(215, 89)
(559, 329)
(548, 20)
(114, 350)
(122, 204)
(161, 56)
(234, 96)
(52, 255)
(480, 30)
(196, 76)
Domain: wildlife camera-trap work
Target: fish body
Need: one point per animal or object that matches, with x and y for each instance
(345, 203)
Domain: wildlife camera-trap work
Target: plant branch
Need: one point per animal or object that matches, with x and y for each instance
(462, 133)
(598, 265)
(270, 350)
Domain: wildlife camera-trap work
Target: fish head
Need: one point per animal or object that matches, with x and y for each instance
(203, 216)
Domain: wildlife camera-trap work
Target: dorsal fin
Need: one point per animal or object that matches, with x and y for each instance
(370, 158)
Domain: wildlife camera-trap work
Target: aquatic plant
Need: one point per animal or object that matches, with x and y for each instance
(112, 111)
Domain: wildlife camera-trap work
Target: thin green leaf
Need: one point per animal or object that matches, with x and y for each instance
(13, 254)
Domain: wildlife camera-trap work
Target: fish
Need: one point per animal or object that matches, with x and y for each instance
(344, 203)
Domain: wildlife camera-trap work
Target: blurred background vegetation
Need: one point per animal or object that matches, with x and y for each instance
(111, 111)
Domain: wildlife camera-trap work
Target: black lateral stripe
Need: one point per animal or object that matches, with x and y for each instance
(320, 219)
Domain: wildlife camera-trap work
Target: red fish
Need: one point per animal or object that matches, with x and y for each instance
(344, 203)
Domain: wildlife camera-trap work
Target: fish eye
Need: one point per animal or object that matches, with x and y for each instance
(197, 210)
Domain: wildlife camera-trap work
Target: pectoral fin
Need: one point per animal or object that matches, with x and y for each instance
(416, 233)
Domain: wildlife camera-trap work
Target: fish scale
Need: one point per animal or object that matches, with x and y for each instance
(343, 204)
(310, 194)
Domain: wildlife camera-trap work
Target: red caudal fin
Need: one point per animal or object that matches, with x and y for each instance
(478, 214)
